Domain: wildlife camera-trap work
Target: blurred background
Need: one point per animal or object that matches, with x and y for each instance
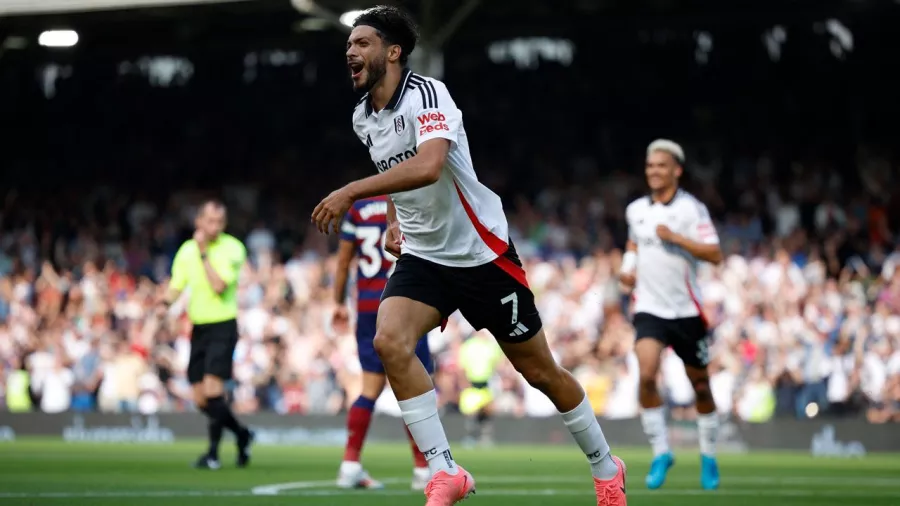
(118, 122)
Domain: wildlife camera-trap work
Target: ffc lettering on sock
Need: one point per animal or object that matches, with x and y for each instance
(582, 423)
(421, 417)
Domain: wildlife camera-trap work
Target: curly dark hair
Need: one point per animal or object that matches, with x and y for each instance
(394, 26)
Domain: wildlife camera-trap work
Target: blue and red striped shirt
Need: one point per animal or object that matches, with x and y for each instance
(366, 226)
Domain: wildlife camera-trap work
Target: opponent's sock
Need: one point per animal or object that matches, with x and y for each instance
(654, 422)
(583, 425)
(708, 429)
(220, 411)
(358, 420)
(418, 457)
(421, 417)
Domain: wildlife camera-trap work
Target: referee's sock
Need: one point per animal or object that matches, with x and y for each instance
(220, 411)
(214, 428)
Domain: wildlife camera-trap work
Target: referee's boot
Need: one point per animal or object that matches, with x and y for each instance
(244, 442)
(207, 462)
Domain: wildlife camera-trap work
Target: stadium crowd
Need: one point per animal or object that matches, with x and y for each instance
(806, 307)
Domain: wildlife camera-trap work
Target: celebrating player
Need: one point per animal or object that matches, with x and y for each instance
(451, 236)
(362, 235)
(669, 233)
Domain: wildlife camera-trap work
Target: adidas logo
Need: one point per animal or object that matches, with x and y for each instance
(519, 330)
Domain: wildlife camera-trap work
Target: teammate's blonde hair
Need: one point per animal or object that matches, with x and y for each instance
(671, 147)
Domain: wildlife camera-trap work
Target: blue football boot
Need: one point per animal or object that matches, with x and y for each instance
(659, 468)
(709, 472)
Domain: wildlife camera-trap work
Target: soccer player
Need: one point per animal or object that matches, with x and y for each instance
(451, 236)
(669, 233)
(209, 265)
(362, 236)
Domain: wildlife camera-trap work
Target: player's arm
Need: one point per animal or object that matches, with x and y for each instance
(627, 277)
(422, 170)
(392, 238)
(437, 122)
(629, 259)
(346, 250)
(701, 240)
(225, 273)
(179, 279)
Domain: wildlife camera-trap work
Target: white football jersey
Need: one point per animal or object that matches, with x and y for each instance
(457, 221)
(666, 283)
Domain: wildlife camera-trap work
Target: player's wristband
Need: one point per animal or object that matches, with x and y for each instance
(629, 262)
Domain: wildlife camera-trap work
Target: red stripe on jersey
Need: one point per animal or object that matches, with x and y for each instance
(687, 282)
(497, 245)
(371, 283)
(368, 305)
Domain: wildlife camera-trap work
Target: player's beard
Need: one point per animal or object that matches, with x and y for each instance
(374, 72)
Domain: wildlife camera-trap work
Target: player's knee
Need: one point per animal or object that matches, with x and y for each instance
(200, 399)
(647, 383)
(702, 391)
(392, 347)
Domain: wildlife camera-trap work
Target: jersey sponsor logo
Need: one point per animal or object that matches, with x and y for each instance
(383, 165)
(373, 209)
(399, 125)
(432, 122)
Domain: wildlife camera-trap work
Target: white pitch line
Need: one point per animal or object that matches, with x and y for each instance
(488, 492)
(278, 488)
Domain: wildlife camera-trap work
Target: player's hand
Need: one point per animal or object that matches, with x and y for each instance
(328, 214)
(626, 282)
(201, 240)
(666, 234)
(392, 239)
(341, 318)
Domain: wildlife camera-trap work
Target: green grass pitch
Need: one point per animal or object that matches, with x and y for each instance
(35, 472)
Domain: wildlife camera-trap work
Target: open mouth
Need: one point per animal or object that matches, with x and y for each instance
(356, 69)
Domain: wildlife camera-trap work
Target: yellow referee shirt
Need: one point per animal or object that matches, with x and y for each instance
(226, 255)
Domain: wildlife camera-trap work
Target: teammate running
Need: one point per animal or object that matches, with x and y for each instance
(362, 236)
(669, 233)
(451, 236)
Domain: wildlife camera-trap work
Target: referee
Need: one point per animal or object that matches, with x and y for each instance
(208, 265)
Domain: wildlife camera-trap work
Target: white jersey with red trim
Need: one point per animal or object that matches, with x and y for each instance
(666, 283)
(457, 221)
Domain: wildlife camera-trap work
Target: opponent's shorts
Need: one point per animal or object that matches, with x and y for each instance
(365, 344)
(474, 399)
(212, 350)
(688, 337)
(494, 296)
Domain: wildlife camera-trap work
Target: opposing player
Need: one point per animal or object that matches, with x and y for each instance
(362, 236)
(451, 236)
(669, 233)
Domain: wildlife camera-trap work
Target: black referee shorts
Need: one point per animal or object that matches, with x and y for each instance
(212, 350)
(494, 296)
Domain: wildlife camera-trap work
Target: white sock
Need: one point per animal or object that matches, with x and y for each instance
(583, 425)
(348, 467)
(708, 429)
(421, 416)
(654, 422)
